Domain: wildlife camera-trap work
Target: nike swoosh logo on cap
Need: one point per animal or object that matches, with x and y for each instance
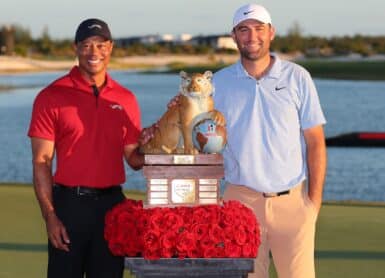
(249, 12)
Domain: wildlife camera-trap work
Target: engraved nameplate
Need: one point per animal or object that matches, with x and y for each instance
(158, 181)
(159, 195)
(207, 181)
(183, 191)
(183, 159)
(208, 188)
(207, 194)
(158, 188)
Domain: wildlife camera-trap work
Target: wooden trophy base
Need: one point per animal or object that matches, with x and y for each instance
(180, 180)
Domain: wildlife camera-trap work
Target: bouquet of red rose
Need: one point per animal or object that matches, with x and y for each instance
(210, 231)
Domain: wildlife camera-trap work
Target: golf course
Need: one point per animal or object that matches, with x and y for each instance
(350, 239)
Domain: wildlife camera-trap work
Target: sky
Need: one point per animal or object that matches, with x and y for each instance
(196, 17)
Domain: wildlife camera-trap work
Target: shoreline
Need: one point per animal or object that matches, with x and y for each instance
(15, 64)
(338, 68)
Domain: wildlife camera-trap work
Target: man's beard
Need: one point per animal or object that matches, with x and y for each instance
(253, 56)
(249, 56)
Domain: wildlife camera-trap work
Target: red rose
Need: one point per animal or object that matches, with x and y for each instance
(194, 253)
(172, 221)
(206, 242)
(210, 252)
(151, 254)
(213, 213)
(167, 240)
(185, 213)
(216, 233)
(199, 215)
(240, 235)
(249, 250)
(151, 240)
(185, 241)
(156, 220)
(229, 232)
(209, 231)
(233, 250)
(167, 253)
(200, 230)
(228, 216)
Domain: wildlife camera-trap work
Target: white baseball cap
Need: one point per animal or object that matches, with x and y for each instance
(251, 11)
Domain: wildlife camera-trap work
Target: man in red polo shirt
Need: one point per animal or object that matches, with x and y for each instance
(90, 122)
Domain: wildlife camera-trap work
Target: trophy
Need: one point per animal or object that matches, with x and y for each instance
(183, 167)
(183, 179)
(183, 164)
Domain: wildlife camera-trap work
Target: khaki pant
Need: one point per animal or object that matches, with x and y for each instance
(287, 225)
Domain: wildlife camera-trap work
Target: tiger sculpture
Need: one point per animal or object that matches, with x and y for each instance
(174, 132)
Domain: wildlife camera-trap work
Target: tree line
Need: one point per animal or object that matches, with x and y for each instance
(17, 40)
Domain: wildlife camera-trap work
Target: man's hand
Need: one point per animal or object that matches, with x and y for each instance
(316, 163)
(147, 134)
(217, 117)
(57, 233)
(43, 152)
(174, 101)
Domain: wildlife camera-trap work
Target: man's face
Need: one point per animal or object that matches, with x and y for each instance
(253, 39)
(94, 55)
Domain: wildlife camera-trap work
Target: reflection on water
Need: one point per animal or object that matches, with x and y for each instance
(353, 173)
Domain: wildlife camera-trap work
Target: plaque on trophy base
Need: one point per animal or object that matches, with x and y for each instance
(180, 180)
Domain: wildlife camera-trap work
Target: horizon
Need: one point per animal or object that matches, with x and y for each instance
(199, 17)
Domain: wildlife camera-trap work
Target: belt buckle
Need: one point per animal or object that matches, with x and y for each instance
(79, 192)
(270, 195)
(275, 194)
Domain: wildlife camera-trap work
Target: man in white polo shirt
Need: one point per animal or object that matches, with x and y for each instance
(275, 158)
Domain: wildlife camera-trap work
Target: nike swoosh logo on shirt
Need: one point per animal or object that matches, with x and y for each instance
(279, 88)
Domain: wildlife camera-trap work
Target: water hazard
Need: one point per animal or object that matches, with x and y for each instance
(353, 173)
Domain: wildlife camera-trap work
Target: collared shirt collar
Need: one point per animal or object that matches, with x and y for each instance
(82, 84)
(274, 72)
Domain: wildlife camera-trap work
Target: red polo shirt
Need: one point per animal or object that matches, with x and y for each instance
(89, 132)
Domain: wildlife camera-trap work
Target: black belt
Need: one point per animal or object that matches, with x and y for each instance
(89, 191)
(275, 194)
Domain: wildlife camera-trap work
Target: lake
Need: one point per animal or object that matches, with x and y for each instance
(353, 173)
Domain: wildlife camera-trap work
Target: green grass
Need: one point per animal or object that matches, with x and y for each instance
(360, 70)
(357, 70)
(350, 237)
(350, 241)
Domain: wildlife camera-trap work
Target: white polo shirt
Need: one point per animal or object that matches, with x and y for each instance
(265, 122)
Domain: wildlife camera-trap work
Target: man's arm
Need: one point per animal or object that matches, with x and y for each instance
(42, 155)
(133, 157)
(316, 163)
